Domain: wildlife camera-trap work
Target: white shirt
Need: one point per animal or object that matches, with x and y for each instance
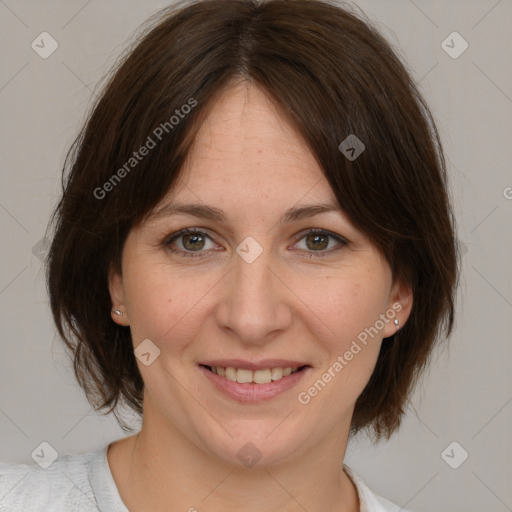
(85, 483)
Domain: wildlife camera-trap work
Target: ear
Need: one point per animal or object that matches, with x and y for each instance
(399, 308)
(115, 286)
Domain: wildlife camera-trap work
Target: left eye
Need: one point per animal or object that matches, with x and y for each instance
(318, 241)
(193, 241)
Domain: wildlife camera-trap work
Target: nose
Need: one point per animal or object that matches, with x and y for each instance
(254, 303)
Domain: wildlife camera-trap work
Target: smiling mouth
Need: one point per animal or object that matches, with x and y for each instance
(245, 376)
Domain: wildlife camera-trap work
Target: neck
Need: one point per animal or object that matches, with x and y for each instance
(161, 469)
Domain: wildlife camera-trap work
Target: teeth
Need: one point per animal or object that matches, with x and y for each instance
(276, 373)
(230, 374)
(258, 377)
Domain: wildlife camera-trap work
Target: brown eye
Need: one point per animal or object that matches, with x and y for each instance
(189, 242)
(316, 241)
(193, 241)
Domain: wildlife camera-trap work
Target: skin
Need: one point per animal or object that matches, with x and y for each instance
(288, 303)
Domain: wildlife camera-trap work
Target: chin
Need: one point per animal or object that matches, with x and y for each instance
(266, 446)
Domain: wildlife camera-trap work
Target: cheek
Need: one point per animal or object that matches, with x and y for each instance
(163, 304)
(343, 328)
(346, 305)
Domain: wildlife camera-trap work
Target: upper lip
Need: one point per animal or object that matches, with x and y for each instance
(248, 365)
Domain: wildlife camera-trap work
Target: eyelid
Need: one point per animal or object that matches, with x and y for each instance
(311, 231)
(185, 231)
(204, 231)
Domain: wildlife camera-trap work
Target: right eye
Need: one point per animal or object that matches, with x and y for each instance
(191, 241)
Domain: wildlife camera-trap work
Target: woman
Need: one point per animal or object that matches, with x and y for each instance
(255, 251)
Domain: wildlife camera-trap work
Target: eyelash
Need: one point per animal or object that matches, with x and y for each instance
(190, 254)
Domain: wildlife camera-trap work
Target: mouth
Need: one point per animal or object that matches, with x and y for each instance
(248, 376)
(253, 385)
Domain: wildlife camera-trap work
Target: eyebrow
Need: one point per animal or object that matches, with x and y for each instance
(211, 213)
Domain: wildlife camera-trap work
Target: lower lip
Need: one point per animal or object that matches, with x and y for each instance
(250, 392)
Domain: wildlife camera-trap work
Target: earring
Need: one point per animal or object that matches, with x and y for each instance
(117, 312)
(397, 323)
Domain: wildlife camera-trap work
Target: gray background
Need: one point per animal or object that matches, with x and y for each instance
(467, 394)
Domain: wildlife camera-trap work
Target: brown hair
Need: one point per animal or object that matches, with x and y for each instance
(334, 75)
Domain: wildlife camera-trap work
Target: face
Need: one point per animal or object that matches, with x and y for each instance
(264, 282)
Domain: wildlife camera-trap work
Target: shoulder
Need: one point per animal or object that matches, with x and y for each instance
(64, 485)
(370, 501)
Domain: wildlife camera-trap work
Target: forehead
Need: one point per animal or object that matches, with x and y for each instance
(247, 146)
